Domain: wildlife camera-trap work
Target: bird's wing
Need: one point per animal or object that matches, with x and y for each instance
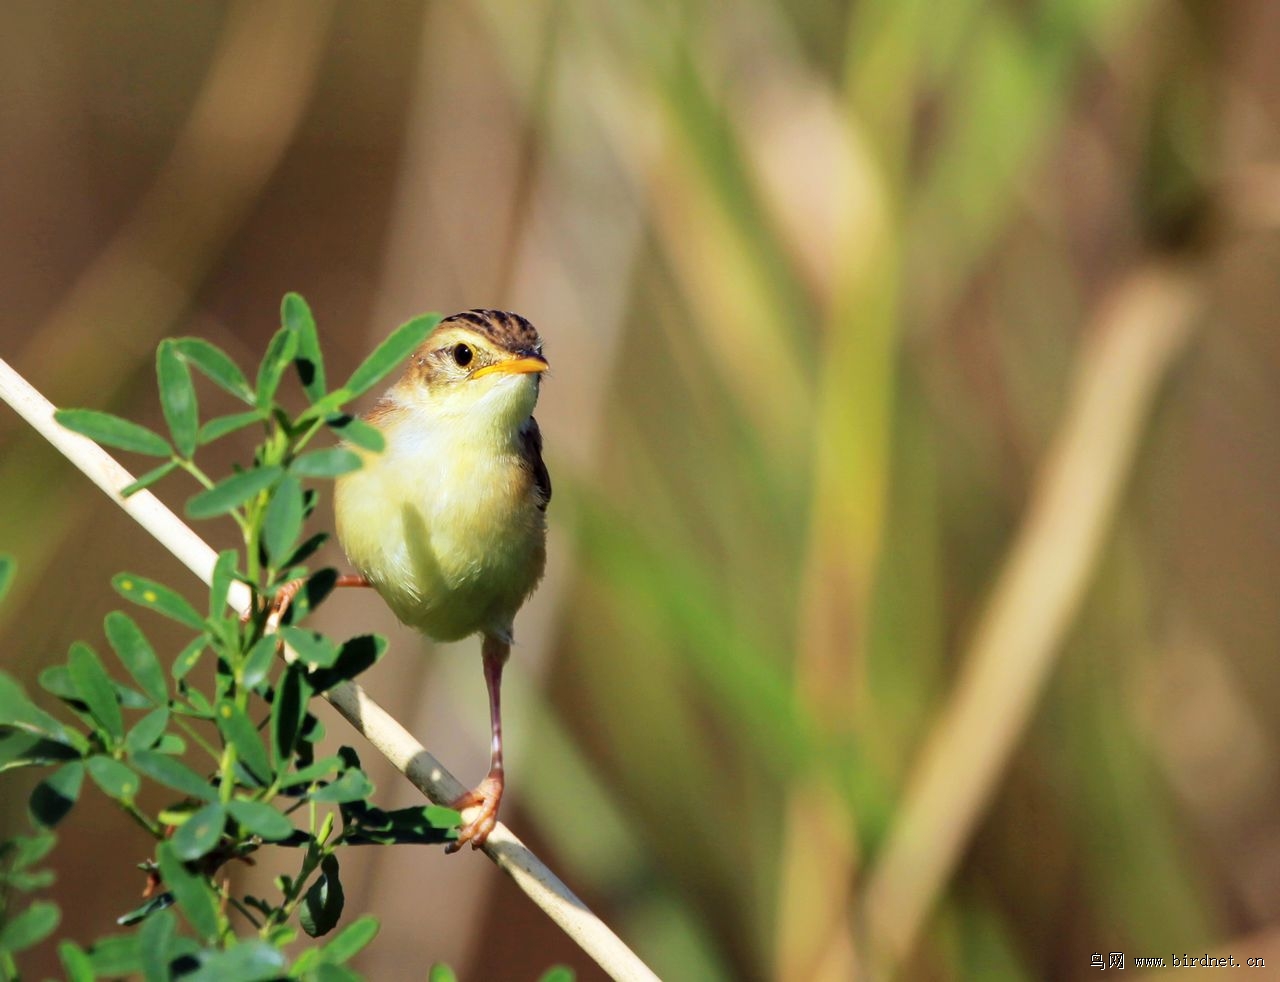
(531, 452)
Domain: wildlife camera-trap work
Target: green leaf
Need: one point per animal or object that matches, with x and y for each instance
(94, 686)
(395, 349)
(357, 432)
(229, 494)
(224, 571)
(322, 906)
(248, 961)
(558, 973)
(441, 973)
(313, 772)
(283, 522)
(356, 655)
(157, 597)
(30, 927)
(318, 586)
(148, 479)
(177, 398)
(53, 797)
(258, 662)
(19, 749)
(171, 745)
(353, 785)
(199, 833)
(418, 825)
(136, 654)
(56, 679)
(147, 731)
(237, 730)
(192, 892)
(112, 431)
(331, 462)
(173, 774)
(287, 712)
(114, 778)
(116, 956)
(306, 550)
(216, 365)
(199, 704)
(188, 657)
(19, 712)
(78, 965)
(353, 938)
(27, 850)
(261, 819)
(161, 901)
(155, 945)
(296, 317)
(326, 972)
(6, 573)
(220, 426)
(279, 353)
(312, 646)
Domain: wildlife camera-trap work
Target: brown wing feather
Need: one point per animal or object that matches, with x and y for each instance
(531, 451)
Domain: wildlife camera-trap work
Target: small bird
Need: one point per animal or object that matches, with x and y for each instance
(448, 523)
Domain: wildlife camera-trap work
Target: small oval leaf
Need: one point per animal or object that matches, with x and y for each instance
(30, 927)
(261, 819)
(112, 431)
(173, 774)
(282, 524)
(331, 462)
(148, 479)
(238, 731)
(199, 833)
(136, 654)
(216, 365)
(232, 492)
(390, 353)
(279, 353)
(177, 398)
(94, 687)
(312, 646)
(53, 797)
(157, 597)
(358, 433)
(322, 905)
(296, 316)
(194, 896)
(147, 731)
(114, 778)
(348, 942)
(220, 426)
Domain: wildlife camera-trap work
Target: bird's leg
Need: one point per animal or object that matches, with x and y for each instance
(487, 795)
(284, 596)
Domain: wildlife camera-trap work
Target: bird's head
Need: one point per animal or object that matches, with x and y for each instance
(483, 365)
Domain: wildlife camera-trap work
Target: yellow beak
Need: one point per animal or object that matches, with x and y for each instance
(514, 366)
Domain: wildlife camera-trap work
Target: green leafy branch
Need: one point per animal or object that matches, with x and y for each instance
(235, 743)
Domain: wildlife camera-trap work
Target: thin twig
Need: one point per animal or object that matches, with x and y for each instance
(386, 734)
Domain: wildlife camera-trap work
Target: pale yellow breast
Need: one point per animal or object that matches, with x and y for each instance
(446, 527)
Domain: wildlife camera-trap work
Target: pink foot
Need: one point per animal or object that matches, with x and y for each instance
(486, 796)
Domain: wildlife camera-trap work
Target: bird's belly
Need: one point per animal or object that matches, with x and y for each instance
(448, 560)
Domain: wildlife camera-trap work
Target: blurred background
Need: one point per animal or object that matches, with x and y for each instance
(913, 423)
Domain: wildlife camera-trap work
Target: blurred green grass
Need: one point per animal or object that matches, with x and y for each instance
(815, 281)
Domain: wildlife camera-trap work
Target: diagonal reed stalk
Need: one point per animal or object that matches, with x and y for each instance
(1129, 350)
(383, 731)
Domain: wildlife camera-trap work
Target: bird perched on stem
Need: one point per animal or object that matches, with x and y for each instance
(448, 523)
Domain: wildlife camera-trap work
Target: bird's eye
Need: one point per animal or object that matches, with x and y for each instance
(462, 355)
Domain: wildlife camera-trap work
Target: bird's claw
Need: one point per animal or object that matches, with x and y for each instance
(486, 796)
